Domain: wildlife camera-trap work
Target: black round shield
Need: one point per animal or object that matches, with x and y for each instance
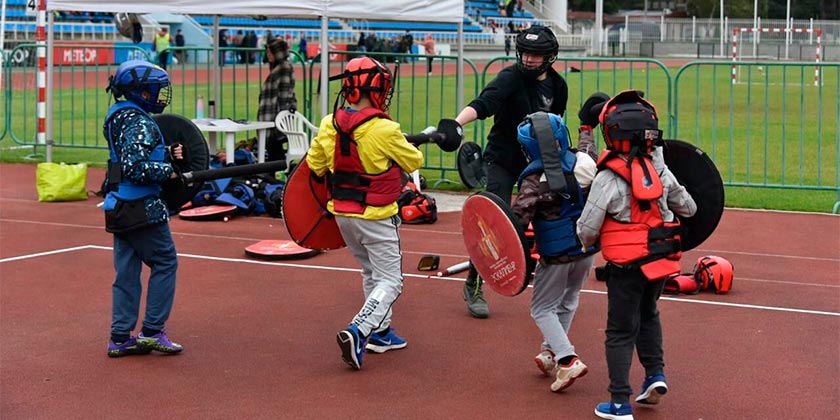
(471, 166)
(698, 174)
(177, 129)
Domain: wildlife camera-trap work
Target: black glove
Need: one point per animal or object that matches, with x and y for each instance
(591, 109)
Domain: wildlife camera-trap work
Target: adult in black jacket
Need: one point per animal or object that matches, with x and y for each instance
(531, 85)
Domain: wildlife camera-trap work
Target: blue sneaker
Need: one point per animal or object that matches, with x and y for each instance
(127, 348)
(382, 343)
(159, 342)
(653, 389)
(614, 411)
(352, 346)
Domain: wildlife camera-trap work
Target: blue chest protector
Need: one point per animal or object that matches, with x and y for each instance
(545, 140)
(126, 190)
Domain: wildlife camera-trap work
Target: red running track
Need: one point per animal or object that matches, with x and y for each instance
(259, 337)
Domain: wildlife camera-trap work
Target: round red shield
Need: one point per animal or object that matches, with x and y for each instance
(279, 250)
(494, 242)
(305, 213)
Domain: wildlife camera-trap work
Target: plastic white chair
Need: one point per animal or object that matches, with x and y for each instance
(294, 126)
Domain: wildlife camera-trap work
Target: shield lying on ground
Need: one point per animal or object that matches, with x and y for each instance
(279, 250)
(494, 241)
(305, 213)
(698, 174)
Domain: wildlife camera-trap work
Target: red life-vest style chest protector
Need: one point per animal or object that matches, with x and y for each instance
(352, 188)
(646, 240)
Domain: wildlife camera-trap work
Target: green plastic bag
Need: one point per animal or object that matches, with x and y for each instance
(61, 182)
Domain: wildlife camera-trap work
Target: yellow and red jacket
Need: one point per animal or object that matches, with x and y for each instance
(646, 240)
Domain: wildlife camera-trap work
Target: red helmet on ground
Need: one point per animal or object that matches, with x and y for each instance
(715, 273)
(628, 121)
(371, 76)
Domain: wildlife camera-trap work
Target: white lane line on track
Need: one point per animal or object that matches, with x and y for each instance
(419, 276)
(464, 257)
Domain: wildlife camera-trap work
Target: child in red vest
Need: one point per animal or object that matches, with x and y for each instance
(631, 210)
(365, 152)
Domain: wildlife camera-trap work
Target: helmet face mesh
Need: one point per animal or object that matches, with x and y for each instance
(364, 74)
(143, 83)
(540, 41)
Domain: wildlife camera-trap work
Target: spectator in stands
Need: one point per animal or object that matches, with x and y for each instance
(277, 94)
(237, 42)
(266, 40)
(409, 41)
(179, 42)
(223, 43)
(302, 49)
(531, 85)
(510, 6)
(361, 44)
(511, 28)
(250, 41)
(161, 45)
(429, 49)
(371, 42)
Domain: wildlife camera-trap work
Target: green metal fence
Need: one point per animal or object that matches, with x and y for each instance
(772, 128)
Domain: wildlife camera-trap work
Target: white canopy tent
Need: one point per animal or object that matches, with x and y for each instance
(450, 11)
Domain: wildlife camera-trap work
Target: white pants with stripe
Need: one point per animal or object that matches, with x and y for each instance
(376, 246)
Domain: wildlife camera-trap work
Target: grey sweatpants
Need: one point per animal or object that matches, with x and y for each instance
(555, 300)
(376, 246)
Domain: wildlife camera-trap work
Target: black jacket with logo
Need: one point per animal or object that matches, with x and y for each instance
(510, 97)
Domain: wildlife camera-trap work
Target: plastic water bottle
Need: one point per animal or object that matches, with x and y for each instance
(199, 107)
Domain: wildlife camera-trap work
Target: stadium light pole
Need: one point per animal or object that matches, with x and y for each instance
(722, 30)
(788, 34)
(598, 27)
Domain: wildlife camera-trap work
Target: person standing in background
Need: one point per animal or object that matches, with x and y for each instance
(302, 48)
(429, 49)
(161, 45)
(223, 43)
(361, 44)
(179, 42)
(277, 94)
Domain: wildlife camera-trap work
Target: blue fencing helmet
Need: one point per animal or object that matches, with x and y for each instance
(536, 40)
(527, 136)
(143, 83)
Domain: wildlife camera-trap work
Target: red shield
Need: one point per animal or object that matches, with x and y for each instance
(494, 241)
(279, 250)
(305, 213)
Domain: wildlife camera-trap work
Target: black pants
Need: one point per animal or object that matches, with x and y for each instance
(500, 181)
(632, 322)
(429, 64)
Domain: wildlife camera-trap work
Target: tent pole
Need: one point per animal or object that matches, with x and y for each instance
(459, 74)
(325, 65)
(217, 69)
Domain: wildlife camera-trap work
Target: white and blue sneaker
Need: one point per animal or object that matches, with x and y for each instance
(653, 389)
(379, 343)
(352, 345)
(613, 411)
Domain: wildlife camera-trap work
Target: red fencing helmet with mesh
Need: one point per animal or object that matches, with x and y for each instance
(628, 121)
(714, 273)
(371, 76)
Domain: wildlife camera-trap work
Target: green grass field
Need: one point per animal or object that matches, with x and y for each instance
(773, 135)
